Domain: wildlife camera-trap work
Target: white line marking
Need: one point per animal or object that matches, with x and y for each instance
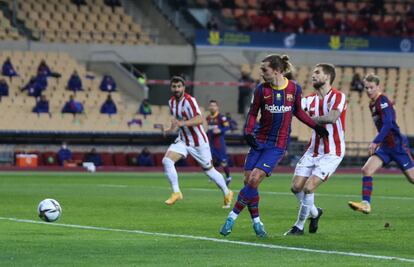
(204, 238)
(113, 185)
(316, 194)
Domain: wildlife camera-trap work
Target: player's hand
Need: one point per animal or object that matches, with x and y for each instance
(321, 131)
(372, 148)
(216, 131)
(251, 141)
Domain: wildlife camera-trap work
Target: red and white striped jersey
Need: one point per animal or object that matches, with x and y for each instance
(185, 109)
(334, 144)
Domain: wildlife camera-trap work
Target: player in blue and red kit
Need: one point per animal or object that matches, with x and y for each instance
(277, 99)
(389, 145)
(217, 128)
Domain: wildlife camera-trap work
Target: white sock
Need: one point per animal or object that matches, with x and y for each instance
(304, 210)
(256, 220)
(299, 196)
(233, 215)
(171, 173)
(218, 179)
(314, 212)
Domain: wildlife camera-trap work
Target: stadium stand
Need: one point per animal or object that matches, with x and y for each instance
(377, 18)
(7, 31)
(68, 23)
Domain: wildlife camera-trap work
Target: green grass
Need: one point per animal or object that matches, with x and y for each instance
(135, 202)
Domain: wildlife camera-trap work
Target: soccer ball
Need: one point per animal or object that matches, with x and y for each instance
(49, 210)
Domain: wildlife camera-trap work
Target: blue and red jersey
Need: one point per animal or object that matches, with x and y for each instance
(277, 105)
(383, 114)
(217, 121)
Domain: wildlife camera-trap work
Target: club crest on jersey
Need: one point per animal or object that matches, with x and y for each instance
(384, 105)
(289, 97)
(278, 109)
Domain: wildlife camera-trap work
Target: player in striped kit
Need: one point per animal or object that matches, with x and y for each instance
(327, 107)
(191, 140)
(389, 145)
(277, 99)
(217, 128)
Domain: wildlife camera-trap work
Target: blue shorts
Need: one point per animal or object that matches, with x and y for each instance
(219, 154)
(265, 158)
(401, 154)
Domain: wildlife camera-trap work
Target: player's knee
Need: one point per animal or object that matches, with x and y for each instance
(295, 189)
(366, 171)
(308, 190)
(167, 162)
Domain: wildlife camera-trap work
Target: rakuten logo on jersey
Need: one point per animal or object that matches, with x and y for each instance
(278, 109)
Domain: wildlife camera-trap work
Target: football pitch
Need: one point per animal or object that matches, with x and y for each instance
(120, 219)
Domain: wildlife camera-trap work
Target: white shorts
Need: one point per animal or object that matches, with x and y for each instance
(201, 153)
(322, 166)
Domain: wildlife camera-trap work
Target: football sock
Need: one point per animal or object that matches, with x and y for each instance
(218, 179)
(314, 212)
(243, 199)
(367, 188)
(233, 215)
(299, 196)
(226, 170)
(253, 206)
(304, 210)
(256, 220)
(171, 173)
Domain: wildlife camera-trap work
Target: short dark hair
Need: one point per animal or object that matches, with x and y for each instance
(329, 69)
(372, 78)
(213, 101)
(176, 79)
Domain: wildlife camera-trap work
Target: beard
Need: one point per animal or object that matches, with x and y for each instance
(178, 95)
(318, 85)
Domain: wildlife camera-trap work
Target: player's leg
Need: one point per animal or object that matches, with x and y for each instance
(373, 164)
(173, 154)
(306, 205)
(202, 155)
(303, 170)
(405, 161)
(410, 175)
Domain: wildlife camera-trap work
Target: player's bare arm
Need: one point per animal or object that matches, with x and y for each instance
(332, 116)
(197, 120)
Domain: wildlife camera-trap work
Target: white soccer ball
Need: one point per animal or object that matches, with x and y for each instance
(49, 210)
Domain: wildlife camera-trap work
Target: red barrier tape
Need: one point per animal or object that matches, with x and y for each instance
(203, 83)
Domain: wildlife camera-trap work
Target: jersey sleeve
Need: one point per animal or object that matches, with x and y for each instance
(253, 111)
(338, 102)
(224, 125)
(192, 107)
(385, 110)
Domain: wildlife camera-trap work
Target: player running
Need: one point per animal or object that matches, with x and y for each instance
(191, 139)
(389, 145)
(277, 99)
(217, 128)
(327, 107)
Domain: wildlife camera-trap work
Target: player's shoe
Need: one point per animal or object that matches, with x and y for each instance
(259, 229)
(294, 231)
(228, 180)
(227, 200)
(313, 225)
(174, 198)
(227, 227)
(362, 206)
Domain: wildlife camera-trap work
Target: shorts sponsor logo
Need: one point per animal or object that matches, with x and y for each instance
(277, 109)
(267, 166)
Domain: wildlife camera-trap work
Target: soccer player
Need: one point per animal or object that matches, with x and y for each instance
(389, 145)
(327, 107)
(277, 99)
(217, 127)
(191, 139)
